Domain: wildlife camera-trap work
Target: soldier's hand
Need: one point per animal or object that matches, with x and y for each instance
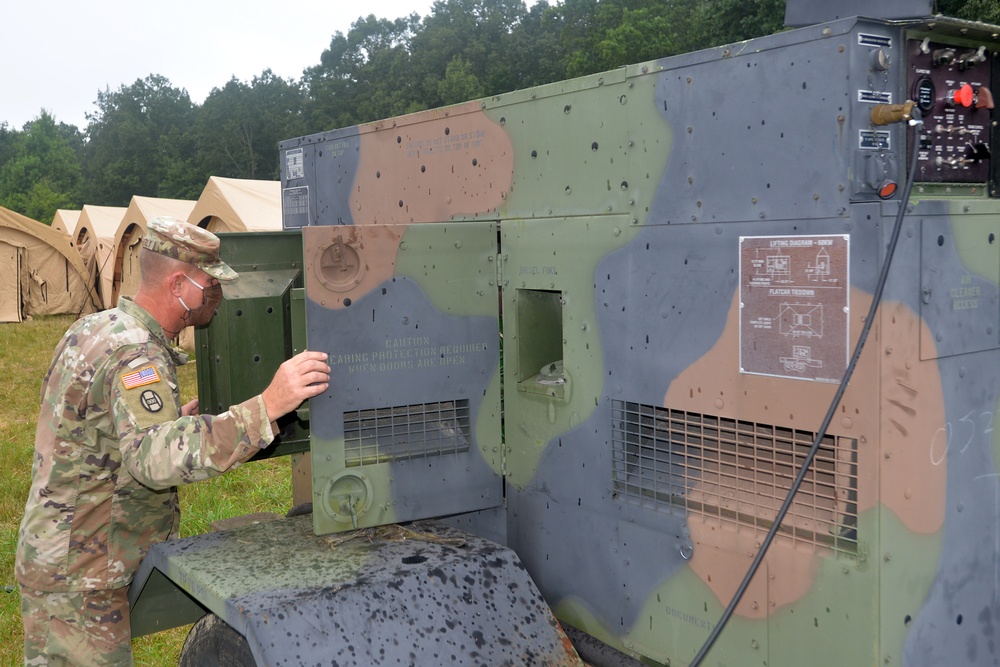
(303, 376)
(190, 408)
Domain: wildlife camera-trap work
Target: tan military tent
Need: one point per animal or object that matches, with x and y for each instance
(42, 273)
(238, 205)
(128, 240)
(95, 241)
(65, 221)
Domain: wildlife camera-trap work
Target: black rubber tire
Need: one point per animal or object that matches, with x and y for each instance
(214, 643)
(299, 510)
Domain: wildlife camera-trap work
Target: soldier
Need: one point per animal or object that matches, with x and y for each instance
(113, 443)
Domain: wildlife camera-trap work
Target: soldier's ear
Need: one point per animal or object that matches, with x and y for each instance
(175, 282)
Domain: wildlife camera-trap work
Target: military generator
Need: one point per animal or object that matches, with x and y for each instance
(696, 360)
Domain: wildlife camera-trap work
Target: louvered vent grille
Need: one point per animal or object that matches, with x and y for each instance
(404, 432)
(736, 472)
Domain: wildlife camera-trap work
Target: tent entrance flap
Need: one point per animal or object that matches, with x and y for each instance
(10, 283)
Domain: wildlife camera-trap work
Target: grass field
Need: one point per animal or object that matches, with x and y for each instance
(25, 353)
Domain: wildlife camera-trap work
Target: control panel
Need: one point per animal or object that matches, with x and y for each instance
(951, 86)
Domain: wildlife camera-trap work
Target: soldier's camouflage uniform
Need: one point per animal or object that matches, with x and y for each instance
(110, 448)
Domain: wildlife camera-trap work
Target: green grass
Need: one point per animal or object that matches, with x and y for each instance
(25, 353)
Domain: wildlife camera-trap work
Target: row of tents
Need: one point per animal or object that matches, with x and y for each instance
(86, 260)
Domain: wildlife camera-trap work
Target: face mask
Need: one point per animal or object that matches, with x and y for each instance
(211, 297)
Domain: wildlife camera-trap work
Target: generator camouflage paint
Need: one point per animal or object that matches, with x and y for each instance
(601, 320)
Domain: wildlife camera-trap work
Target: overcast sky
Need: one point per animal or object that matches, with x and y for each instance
(57, 55)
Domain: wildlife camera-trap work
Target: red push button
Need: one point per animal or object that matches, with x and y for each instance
(964, 96)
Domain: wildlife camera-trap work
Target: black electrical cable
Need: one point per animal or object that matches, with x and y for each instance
(876, 299)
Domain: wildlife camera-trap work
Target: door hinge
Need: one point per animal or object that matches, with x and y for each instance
(499, 261)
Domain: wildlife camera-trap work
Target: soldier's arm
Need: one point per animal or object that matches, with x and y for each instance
(161, 448)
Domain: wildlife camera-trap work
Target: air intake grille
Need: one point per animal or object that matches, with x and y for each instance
(736, 472)
(405, 432)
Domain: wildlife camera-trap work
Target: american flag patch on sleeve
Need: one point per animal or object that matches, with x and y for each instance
(141, 377)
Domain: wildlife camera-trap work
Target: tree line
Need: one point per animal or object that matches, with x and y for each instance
(149, 138)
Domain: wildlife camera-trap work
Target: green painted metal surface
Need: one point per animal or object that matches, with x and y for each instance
(254, 329)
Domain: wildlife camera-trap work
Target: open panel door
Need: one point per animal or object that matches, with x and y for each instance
(410, 427)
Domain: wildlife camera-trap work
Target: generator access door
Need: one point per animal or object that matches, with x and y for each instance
(410, 426)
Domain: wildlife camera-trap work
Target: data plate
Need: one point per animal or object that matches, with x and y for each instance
(794, 304)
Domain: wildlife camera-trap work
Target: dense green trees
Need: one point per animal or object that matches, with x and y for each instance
(237, 130)
(364, 75)
(138, 142)
(987, 11)
(41, 169)
(149, 138)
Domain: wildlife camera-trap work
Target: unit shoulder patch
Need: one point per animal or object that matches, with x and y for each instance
(151, 401)
(148, 394)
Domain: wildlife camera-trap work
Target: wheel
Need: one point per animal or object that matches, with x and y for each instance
(299, 510)
(214, 643)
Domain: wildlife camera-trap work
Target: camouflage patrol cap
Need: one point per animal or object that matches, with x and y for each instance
(187, 243)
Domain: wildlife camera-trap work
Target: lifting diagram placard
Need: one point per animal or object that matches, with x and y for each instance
(794, 305)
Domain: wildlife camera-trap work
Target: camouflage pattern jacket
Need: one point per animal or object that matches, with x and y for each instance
(110, 448)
